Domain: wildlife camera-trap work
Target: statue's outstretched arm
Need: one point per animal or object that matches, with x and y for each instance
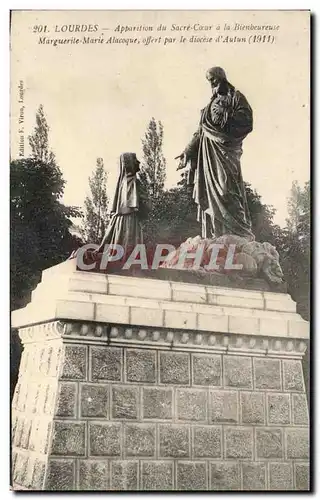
(191, 149)
(190, 152)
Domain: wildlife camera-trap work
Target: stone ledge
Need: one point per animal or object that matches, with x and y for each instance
(123, 310)
(65, 293)
(163, 338)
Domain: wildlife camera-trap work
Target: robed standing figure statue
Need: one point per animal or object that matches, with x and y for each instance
(214, 156)
(129, 207)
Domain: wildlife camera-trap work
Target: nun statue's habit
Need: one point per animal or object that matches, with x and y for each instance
(127, 209)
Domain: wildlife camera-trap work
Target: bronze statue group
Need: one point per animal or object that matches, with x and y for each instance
(213, 156)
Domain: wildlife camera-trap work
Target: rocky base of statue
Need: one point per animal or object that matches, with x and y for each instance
(227, 261)
(229, 255)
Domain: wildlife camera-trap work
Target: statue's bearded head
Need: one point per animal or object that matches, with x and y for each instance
(217, 78)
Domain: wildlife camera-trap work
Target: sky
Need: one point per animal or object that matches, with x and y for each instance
(98, 98)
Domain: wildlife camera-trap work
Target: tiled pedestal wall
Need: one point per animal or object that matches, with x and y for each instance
(102, 407)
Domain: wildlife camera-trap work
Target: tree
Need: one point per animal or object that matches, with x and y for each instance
(39, 140)
(153, 168)
(152, 177)
(39, 234)
(96, 206)
(173, 216)
(262, 215)
(39, 222)
(298, 221)
(295, 251)
(295, 247)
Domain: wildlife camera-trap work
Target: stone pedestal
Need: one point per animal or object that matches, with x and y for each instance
(129, 383)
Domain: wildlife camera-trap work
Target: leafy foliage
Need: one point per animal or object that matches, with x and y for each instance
(153, 168)
(173, 216)
(263, 226)
(39, 140)
(96, 206)
(39, 222)
(294, 247)
(299, 210)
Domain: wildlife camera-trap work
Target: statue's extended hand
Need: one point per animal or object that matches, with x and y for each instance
(183, 161)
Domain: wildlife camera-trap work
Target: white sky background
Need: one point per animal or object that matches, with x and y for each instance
(98, 99)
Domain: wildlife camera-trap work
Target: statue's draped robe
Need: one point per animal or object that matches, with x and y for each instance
(124, 228)
(215, 153)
